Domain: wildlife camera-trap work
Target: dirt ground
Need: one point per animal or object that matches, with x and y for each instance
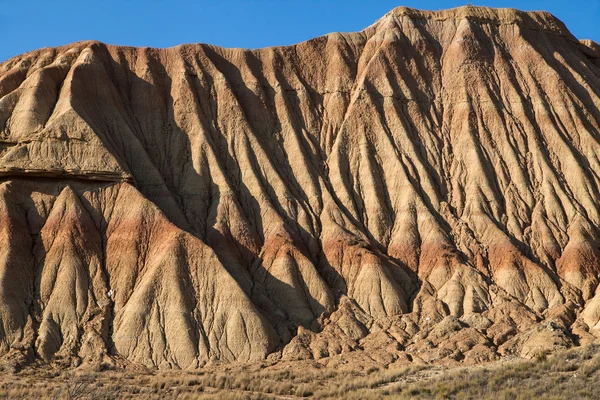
(573, 374)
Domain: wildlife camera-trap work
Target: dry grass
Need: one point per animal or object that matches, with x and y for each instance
(573, 374)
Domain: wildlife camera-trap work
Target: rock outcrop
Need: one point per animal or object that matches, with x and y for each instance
(425, 189)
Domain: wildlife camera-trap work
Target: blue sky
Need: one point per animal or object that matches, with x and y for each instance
(27, 25)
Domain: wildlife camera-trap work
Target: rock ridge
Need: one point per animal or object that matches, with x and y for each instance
(425, 190)
(535, 20)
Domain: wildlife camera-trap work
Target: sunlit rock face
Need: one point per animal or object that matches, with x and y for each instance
(427, 188)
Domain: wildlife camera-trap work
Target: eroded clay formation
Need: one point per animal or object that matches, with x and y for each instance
(425, 189)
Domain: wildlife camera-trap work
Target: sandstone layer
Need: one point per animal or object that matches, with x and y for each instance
(426, 189)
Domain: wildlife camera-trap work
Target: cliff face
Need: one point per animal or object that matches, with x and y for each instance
(427, 188)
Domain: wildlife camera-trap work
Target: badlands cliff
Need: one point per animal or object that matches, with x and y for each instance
(426, 189)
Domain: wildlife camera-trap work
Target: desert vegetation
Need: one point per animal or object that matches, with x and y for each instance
(573, 374)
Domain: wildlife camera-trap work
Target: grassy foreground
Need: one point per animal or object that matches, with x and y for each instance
(572, 374)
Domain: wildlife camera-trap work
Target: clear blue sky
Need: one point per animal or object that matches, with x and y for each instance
(30, 24)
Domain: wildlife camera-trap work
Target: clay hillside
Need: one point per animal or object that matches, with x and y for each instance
(426, 190)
